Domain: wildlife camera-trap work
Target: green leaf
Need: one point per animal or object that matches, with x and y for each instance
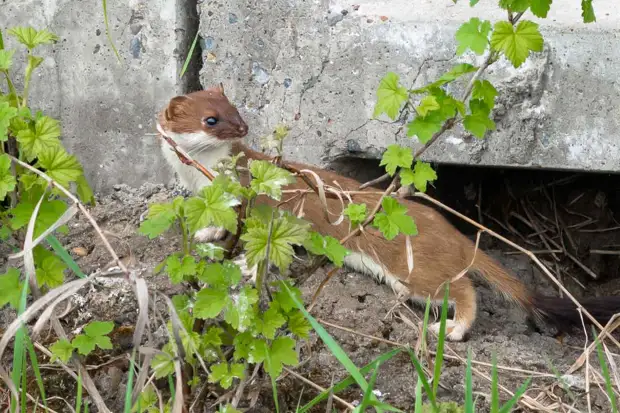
(163, 363)
(424, 127)
(298, 325)
(224, 274)
(10, 288)
(356, 213)
(158, 220)
(210, 302)
(32, 38)
(286, 232)
(282, 352)
(328, 246)
(180, 270)
(516, 6)
(396, 156)
(485, 91)
(390, 96)
(147, 399)
(240, 311)
(284, 300)
(51, 272)
(7, 180)
(84, 191)
(428, 104)
(540, 8)
(6, 59)
(473, 35)
(587, 11)
(94, 336)
(7, 113)
(60, 166)
(213, 337)
(49, 212)
(224, 374)
(422, 173)
(272, 321)
(210, 251)
(394, 219)
(213, 207)
(478, 122)
(98, 328)
(61, 350)
(269, 179)
(450, 76)
(517, 44)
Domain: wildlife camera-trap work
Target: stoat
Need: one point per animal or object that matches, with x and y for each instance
(209, 127)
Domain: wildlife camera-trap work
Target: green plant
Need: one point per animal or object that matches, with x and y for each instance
(28, 137)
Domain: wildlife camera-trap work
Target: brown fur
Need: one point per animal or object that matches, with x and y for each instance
(440, 252)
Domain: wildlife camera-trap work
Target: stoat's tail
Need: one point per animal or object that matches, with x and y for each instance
(560, 312)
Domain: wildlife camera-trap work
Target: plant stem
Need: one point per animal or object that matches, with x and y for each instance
(186, 244)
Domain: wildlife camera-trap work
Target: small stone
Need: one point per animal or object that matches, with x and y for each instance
(207, 43)
(135, 46)
(287, 82)
(260, 75)
(80, 251)
(211, 57)
(353, 146)
(384, 18)
(356, 7)
(232, 18)
(334, 19)
(369, 20)
(344, 12)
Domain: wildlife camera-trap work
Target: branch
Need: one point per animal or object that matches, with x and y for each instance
(184, 156)
(449, 123)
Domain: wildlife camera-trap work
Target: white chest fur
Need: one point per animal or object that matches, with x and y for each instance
(190, 177)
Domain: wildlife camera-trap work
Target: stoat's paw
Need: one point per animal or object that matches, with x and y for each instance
(246, 272)
(454, 331)
(209, 234)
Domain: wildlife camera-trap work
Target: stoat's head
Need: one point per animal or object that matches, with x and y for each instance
(202, 119)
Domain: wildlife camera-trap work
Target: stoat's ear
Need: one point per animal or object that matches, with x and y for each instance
(176, 106)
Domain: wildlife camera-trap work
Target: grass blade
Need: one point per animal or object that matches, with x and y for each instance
(36, 371)
(19, 359)
(104, 3)
(129, 387)
(24, 390)
(336, 350)
(605, 371)
(422, 377)
(441, 340)
(418, 396)
(494, 389)
(469, 391)
(508, 406)
(78, 397)
(189, 55)
(343, 384)
(368, 393)
(64, 255)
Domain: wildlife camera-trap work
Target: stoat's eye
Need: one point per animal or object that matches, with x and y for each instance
(211, 121)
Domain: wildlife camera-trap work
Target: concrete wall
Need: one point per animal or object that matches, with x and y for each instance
(106, 108)
(315, 65)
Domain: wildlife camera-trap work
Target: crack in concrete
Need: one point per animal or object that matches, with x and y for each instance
(310, 83)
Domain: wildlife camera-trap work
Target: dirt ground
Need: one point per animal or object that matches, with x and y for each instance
(356, 303)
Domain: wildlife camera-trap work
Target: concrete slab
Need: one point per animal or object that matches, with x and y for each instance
(315, 65)
(107, 109)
